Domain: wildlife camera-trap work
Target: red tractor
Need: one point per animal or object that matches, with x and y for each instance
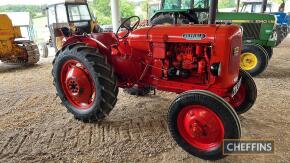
(199, 62)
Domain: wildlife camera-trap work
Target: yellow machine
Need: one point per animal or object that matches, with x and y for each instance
(13, 49)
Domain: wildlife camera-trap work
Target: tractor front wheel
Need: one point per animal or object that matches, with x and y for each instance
(199, 121)
(85, 82)
(246, 95)
(254, 59)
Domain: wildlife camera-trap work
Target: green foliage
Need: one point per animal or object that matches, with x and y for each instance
(144, 7)
(102, 9)
(34, 10)
(277, 1)
(127, 9)
(227, 3)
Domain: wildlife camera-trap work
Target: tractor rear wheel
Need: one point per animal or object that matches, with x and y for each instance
(246, 95)
(167, 19)
(85, 82)
(269, 50)
(199, 121)
(254, 59)
(162, 19)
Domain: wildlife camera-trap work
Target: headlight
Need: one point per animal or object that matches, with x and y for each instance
(216, 69)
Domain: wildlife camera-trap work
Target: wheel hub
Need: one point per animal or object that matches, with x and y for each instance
(73, 86)
(77, 84)
(200, 127)
(197, 130)
(248, 61)
(193, 126)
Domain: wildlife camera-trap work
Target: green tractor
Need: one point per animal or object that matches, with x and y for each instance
(259, 37)
(255, 6)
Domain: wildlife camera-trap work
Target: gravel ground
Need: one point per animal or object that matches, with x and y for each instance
(35, 127)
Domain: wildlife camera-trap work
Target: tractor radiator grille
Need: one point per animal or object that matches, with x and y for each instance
(251, 30)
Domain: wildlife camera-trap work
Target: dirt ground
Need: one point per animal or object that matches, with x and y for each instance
(35, 127)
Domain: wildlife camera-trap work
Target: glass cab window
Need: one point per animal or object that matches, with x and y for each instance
(78, 13)
(255, 8)
(61, 13)
(186, 4)
(51, 15)
(247, 8)
(258, 8)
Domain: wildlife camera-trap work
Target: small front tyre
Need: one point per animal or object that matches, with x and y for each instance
(246, 95)
(199, 121)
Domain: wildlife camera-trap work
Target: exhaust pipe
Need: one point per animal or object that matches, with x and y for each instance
(212, 11)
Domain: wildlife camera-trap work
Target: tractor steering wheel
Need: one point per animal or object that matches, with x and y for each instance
(128, 28)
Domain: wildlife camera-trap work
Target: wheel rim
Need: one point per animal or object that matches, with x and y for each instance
(77, 84)
(248, 61)
(239, 98)
(200, 127)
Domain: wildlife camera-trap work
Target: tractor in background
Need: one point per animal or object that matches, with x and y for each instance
(282, 27)
(72, 14)
(258, 29)
(199, 62)
(25, 23)
(14, 48)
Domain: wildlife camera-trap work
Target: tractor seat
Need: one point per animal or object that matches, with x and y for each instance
(83, 27)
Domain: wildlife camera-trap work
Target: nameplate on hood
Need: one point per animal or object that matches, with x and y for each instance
(193, 36)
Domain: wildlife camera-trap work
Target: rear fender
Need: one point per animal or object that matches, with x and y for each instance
(104, 49)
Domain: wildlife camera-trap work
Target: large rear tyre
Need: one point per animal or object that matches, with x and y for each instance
(254, 59)
(85, 82)
(199, 121)
(269, 50)
(246, 95)
(162, 19)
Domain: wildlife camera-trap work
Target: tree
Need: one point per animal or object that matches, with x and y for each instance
(127, 9)
(278, 1)
(34, 10)
(227, 3)
(102, 8)
(145, 8)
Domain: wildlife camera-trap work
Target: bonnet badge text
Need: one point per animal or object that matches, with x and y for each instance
(193, 36)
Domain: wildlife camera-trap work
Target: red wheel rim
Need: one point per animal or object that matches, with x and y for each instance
(200, 127)
(239, 98)
(77, 84)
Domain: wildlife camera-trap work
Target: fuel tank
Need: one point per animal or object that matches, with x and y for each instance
(140, 39)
